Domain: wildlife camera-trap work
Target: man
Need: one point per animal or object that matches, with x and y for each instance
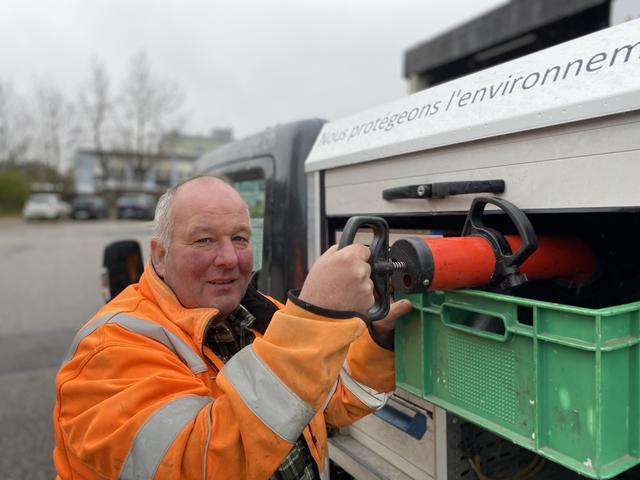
(192, 373)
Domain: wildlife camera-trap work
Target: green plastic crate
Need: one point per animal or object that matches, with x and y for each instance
(562, 381)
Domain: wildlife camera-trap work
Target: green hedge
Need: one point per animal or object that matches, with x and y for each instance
(14, 190)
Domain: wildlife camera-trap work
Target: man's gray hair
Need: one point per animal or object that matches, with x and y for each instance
(163, 220)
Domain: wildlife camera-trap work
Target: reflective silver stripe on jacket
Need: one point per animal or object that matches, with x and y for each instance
(367, 395)
(328, 399)
(206, 445)
(157, 434)
(146, 328)
(271, 400)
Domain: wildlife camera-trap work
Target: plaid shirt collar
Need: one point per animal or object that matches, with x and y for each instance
(227, 338)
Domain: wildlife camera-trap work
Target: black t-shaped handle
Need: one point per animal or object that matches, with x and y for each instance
(507, 270)
(381, 266)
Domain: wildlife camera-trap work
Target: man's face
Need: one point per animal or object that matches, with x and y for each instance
(209, 259)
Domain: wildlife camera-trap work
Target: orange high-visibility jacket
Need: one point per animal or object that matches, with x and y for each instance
(140, 396)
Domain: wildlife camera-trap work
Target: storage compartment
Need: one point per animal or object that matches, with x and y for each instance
(574, 166)
(403, 434)
(549, 365)
(559, 380)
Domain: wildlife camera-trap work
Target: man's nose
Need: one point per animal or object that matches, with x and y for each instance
(225, 255)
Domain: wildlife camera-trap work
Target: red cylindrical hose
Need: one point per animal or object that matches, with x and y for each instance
(461, 262)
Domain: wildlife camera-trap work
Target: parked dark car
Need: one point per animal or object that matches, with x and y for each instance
(139, 206)
(86, 207)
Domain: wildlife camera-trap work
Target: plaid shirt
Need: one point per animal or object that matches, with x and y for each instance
(225, 340)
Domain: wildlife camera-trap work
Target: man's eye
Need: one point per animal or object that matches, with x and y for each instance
(241, 239)
(204, 241)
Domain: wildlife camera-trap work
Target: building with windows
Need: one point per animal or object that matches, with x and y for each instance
(112, 172)
(100, 172)
(176, 143)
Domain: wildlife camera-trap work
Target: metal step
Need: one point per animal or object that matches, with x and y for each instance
(361, 462)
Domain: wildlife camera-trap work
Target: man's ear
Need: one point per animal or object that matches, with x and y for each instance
(158, 256)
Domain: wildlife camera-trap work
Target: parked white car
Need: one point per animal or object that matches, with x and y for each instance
(45, 206)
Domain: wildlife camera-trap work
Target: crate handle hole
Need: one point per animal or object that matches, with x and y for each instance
(475, 321)
(525, 315)
(487, 323)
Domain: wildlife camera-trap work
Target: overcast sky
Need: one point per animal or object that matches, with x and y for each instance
(244, 64)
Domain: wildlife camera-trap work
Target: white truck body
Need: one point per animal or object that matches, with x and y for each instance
(561, 127)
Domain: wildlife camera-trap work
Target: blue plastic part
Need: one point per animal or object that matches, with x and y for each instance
(415, 426)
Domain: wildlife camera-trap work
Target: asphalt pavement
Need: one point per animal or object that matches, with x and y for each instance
(49, 287)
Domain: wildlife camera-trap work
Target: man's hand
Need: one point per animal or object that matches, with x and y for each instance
(340, 280)
(383, 329)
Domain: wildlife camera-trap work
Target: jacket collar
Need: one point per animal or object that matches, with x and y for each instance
(193, 321)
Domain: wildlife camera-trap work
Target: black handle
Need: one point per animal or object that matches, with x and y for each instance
(381, 267)
(507, 271)
(444, 189)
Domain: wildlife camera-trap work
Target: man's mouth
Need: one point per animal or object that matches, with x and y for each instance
(221, 282)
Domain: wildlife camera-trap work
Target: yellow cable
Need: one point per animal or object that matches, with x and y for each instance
(528, 472)
(531, 466)
(538, 467)
(476, 468)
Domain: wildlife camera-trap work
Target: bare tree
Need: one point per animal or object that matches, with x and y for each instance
(147, 108)
(95, 102)
(15, 136)
(57, 126)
